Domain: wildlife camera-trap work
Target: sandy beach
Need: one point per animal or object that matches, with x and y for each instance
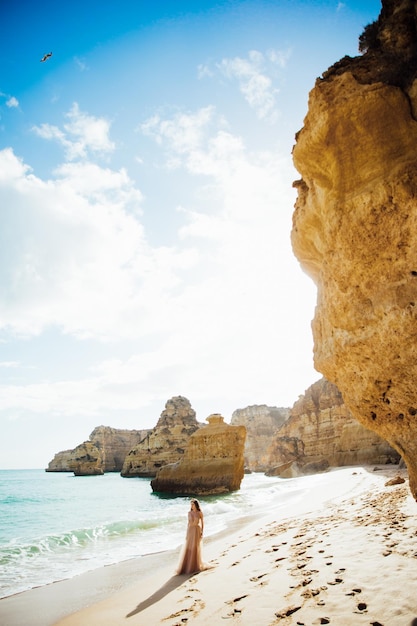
(346, 555)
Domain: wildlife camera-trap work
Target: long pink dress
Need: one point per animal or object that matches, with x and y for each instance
(190, 559)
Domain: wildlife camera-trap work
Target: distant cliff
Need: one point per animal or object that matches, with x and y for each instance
(355, 226)
(321, 430)
(213, 462)
(165, 443)
(261, 423)
(105, 451)
(318, 428)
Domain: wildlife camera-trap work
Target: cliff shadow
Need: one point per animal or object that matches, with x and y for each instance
(170, 585)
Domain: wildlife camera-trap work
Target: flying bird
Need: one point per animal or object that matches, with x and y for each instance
(46, 57)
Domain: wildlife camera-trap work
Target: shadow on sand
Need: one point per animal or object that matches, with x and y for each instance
(170, 585)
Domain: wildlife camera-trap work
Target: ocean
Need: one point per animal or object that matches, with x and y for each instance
(55, 525)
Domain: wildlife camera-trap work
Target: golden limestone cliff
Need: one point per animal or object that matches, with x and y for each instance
(213, 462)
(106, 446)
(321, 432)
(261, 423)
(165, 443)
(86, 460)
(355, 226)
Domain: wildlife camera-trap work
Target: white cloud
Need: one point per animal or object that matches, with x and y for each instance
(253, 290)
(255, 86)
(82, 262)
(185, 131)
(12, 102)
(255, 75)
(207, 317)
(83, 135)
(204, 71)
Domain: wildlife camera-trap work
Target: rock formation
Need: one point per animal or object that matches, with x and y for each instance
(86, 460)
(114, 444)
(109, 446)
(60, 462)
(322, 432)
(261, 423)
(355, 226)
(164, 444)
(213, 462)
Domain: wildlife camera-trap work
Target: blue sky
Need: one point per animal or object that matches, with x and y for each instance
(146, 201)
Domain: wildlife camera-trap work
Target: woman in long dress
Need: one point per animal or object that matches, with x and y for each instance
(190, 560)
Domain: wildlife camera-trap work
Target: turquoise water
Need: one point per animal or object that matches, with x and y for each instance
(55, 525)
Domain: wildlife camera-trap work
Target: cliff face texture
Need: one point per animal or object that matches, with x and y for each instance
(261, 423)
(321, 430)
(213, 462)
(355, 226)
(109, 446)
(86, 460)
(114, 444)
(164, 444)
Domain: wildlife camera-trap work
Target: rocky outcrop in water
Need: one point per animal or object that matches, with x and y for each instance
(87, 460)
(60, 462)
(105, 451)
(261, 423)
(355, 226)
(321, 432)
(213, 462)
(164, 444)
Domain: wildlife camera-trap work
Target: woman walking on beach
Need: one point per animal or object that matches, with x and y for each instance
(190, 561)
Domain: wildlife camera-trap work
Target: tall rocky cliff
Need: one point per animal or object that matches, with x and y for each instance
(355, 226)
(322, 430)
(164, 444)
(105, 451)
(261, 423)
(213, 462)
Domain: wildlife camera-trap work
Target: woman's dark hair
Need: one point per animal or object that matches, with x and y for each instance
(197, 504)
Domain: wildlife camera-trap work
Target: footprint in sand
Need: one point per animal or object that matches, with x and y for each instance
(310, 593)
(361, 608)
(287, 612)
(195, 608)
(255, 579)
(336, 581)
(354, 591)
(236, 610)
(303, 583)
(300, 552)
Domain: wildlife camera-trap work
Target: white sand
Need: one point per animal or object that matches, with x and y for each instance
(346, 556)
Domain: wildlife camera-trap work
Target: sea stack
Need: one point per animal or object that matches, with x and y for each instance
(213, 462)
(165, 443)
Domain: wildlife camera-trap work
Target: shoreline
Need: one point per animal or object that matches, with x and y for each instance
(267, 565)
